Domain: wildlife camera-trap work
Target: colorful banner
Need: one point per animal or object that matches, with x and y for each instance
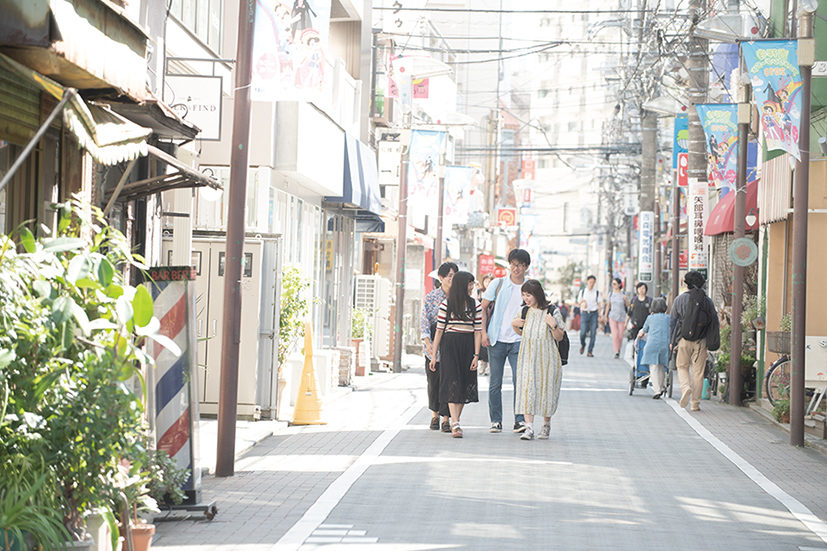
(423, 175)
(457, 199)
(681, 141)
(720, 124)
(289, 50)
(776, 82)
(698, 213)
(646, 257)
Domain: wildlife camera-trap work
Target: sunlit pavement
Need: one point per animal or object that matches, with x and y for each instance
(619, 472)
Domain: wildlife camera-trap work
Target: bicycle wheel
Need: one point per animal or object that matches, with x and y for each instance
(669, 382)
(632, 381)
(777, 380)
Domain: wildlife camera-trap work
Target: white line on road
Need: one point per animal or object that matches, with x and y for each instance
(319, 511)
(799, 511)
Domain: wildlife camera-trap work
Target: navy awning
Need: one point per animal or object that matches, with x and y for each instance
(360, 186)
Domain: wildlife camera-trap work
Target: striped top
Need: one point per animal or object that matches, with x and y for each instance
(455, 325)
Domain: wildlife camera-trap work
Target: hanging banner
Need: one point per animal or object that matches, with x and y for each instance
(289, 47)
(423, 175)
(776, 82)
(720, 124)
(531, 243)
(681, 142)
(486, 264)
(645, 257)
(698, 213)
(457, 200)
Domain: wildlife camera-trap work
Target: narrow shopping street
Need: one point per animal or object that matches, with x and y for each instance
(619, 472)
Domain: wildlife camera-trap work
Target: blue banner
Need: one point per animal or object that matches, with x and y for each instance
(681, 142)
(720, 124)
(776, 82)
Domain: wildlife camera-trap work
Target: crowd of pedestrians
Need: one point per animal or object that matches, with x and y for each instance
(465, 325)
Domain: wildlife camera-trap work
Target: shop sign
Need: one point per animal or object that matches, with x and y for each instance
(697, 211)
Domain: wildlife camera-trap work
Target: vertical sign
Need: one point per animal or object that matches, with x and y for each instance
(528, 167)
(645, 256)
(683, 169)
(697, 211)
(486, 264)
(681, 142)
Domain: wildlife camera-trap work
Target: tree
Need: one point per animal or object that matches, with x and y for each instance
(566, 278)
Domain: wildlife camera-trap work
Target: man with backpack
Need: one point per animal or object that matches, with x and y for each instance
(694, 323)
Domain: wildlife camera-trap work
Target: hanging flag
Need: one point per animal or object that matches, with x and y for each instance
(720, 124)
(531, 243)
(681, 142)
(645, 258)
(776, 82)
(289, 46)
(457, 198)
(423, 175)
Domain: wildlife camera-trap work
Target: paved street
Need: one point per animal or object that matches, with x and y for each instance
(619, 472)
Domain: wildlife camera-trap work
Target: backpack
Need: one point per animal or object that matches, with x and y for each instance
(564, 345)
(697, 316)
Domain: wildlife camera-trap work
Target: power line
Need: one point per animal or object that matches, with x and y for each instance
(510, 12)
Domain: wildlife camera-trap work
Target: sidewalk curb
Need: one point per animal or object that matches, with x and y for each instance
(810, 441)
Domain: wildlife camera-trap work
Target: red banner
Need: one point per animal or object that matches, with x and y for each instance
(486, 264)
(683, 169)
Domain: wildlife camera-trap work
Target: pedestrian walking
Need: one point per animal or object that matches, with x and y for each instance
(694, 320)
(639, 309)
(539, 367)
(427, 329)
(655, 332)
(458, 332)
(480, 290)
(618, 304)
(590, 306)
(499, 336)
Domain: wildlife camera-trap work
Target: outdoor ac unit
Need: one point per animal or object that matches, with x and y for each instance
(373, 294)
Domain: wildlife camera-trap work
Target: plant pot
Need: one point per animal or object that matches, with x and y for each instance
(141, 535)
(360, 366)
(785, 417)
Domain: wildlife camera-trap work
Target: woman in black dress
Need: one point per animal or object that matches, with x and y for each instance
(458, 337)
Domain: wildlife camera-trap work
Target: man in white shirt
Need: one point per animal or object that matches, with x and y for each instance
(590, 305)
(498, 335)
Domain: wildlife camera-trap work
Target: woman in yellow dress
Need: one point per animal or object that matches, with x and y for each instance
(539, 368)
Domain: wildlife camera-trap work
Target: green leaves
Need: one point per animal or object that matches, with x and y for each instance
(63, 244)
(142, 307)
(27, 239)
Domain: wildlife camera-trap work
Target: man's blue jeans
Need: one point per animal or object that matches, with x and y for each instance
(497, 355)
(588, 325)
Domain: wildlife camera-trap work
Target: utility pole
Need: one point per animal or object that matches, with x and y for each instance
(648, 175)
(739, 230)
(401, 249)
(231, 334)
(806, 54)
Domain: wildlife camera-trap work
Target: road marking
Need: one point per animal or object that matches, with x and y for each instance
(799, 511)
(319, 511)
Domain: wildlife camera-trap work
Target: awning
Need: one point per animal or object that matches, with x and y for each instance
(182, 176)
(360, 187)
(722, 218)
(159, 117)
(108, 137)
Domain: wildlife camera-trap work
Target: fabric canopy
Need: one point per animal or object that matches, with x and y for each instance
(109, 138)
(722, 218)
(361, 194)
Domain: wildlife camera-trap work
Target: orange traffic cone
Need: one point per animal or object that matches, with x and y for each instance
(308, 409)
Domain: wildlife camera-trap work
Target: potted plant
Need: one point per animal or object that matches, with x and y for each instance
(781, 410)
(70, 355)
(359, 331)
(133, 498)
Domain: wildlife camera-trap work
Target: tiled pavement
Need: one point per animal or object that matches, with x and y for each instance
(620, 472)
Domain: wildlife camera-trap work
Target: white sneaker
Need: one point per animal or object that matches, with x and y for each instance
(544, 432)
(528, 434)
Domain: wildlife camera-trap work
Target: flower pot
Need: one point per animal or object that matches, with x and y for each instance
(141, 535)
(360, 365)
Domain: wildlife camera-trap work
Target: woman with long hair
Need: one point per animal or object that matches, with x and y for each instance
(458, 337)
(539, 367)
(617, 306)
(655, 354)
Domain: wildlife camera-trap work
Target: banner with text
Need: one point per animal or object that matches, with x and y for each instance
(698, 213)
(681, 141)
(720, 124)
(776, 82)
(423, 175)
(645, 257)
(289, 50)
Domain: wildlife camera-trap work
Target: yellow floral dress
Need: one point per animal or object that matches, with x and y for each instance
(539, 370)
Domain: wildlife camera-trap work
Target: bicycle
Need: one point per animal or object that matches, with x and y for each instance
(777, 383)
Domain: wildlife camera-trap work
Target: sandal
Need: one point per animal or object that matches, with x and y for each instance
(456, 431)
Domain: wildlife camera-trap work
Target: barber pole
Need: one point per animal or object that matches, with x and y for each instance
(174, 379)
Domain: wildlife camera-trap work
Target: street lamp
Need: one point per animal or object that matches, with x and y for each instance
(407, 68)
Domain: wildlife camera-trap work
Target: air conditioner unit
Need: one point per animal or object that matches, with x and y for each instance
(373, 294)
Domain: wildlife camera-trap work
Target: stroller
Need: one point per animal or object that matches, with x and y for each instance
(639, 374)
